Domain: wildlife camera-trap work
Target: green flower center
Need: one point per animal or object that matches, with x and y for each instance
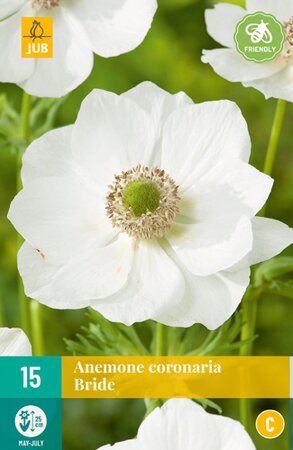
(143, 202)
(141, 196)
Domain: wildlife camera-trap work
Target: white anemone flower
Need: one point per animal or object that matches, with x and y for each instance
(272, 78)
(14, 342)
(81, 28)
(145, 209)
(183, 425)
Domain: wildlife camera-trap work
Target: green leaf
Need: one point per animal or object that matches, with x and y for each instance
(9, 119)
(206, 403)
(275, 268)
(283, 288)
(102, 337)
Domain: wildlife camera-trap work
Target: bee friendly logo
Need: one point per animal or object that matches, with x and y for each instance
(259, 37)
(37, 37)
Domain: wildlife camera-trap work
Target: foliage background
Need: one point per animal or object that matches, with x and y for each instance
(170, 57)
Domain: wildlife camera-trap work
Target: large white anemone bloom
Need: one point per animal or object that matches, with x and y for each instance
(184, 425)
(272, 78)
(81, 28)
(145, 209)
(14, 342)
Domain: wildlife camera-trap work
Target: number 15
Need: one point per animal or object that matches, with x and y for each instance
(30, 377)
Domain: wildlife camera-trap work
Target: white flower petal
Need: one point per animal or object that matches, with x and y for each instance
(14, 342)
(232, 66)
(60, 217)
(111, 134)
(71, 64)
(125, 445)
(233, 434)
(13, 68)
(251, 186)
(8, 7)
(37, 273)
(282, 9)
(49, 156)
(179, 425)
(199, 136)
(208, 300)
(270, 237)
(154, 284)
(96, 273)
(277, 86)
(213, 207)
(206, 252)
(222, 21)
(159, 104)
(116, 26)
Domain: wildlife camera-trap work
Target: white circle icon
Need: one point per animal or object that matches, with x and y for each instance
(31, 421)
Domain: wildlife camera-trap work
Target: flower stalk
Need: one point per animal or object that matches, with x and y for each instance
(161, 340)
(250, 301)
(274, 141)
(161, 349)
(36, 327)
(24, 132)
(30, 311)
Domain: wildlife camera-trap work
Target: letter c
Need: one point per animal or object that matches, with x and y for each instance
(269, 424)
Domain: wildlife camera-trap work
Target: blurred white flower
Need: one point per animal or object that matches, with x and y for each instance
(183, 425)
(81, 28)
(272, 78)
(145, 209)
(14, 342)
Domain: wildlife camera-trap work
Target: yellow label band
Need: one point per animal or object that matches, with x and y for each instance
(167, 377)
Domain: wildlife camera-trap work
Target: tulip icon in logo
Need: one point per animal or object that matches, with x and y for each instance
(37, 37)
(36, 31)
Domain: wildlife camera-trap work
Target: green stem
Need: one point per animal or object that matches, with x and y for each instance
(37, 332)
(161, 340)
(250, 301)
(274, 141)
(249, 311)
(24, 133)
(160, 350)
(30, 310)
(25, 117)
(245, 412)
(2, 314)
(249, 304)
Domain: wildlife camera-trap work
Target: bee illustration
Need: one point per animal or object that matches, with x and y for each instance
(259, 32)
(36, 31)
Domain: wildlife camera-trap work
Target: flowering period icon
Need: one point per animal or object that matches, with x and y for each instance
(31, 421)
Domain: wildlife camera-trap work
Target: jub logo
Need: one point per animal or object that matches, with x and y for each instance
(37, 37)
